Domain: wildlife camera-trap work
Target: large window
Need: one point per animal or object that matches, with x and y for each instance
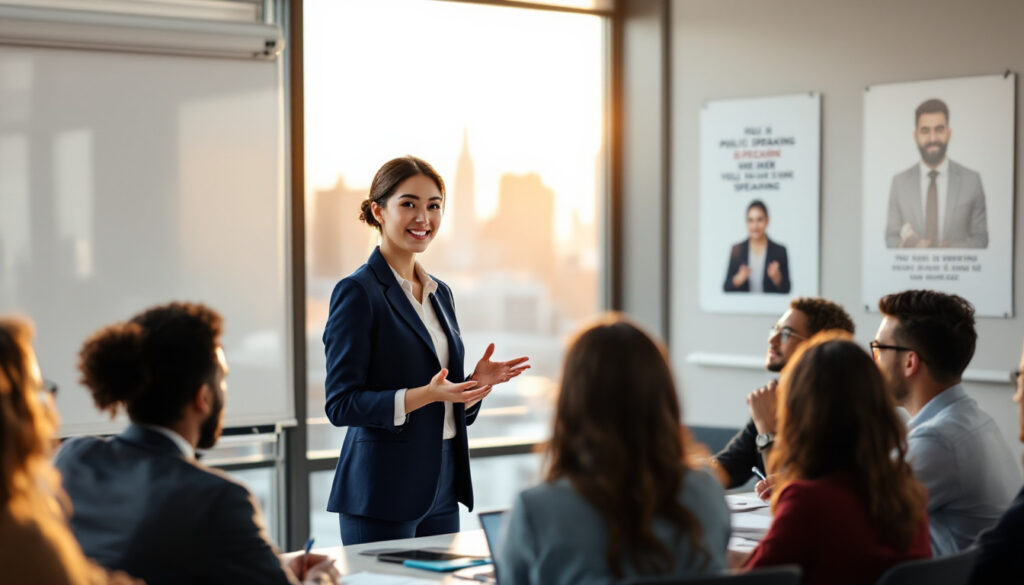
(509, 105)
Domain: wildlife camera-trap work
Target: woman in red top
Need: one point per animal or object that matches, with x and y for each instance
(846, 505)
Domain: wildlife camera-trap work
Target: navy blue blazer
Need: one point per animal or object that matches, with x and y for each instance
(376, 345)
(738, 256)
(140, 507)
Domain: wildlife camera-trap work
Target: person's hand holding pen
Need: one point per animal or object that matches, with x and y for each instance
(312, 568)
(763, 489)
(305, 556)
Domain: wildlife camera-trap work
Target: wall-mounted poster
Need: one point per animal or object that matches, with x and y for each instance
(938, 190)
(759, 166)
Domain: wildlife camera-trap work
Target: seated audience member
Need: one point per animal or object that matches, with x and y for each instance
(619, 497)
(36, 545)
(846, 505)
(924, 343)
(142, 503)
(805, 317)
(1001, 554)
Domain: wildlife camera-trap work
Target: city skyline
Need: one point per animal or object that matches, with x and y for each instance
(527, 107)
(516, 245)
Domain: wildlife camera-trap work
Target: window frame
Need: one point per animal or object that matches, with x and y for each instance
(298, 463)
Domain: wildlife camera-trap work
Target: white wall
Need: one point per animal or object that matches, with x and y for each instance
(732, 48)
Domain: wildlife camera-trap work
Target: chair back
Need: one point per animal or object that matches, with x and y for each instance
(781, 575)
(950, 570)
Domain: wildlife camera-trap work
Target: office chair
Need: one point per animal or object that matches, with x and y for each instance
(951, 570)
(781, 575)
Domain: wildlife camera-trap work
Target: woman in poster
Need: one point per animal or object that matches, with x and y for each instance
(757, 264)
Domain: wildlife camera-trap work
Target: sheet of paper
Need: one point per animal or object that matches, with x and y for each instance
(367, 578)
(744, 502)
(740, 544)
(751, 525)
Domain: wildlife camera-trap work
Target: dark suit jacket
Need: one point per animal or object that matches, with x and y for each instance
(1001, 554)
(376, 344)
(142, 508)
(774, 253)
(965, 223)
(740, 455)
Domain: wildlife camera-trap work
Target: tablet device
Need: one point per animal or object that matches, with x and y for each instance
(445, 566)
(400, 556)
(492, 523)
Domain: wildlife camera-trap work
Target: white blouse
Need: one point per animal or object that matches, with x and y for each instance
(756, 264)
(425, 310)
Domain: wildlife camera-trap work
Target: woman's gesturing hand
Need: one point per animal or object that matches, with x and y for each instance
(441, 390)
(491, 373)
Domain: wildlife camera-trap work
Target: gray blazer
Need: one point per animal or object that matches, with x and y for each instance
(965, 224)
(140, 507)
(555, 537)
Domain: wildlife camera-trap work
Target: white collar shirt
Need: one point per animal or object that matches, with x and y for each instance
(426, 313)
(755, 262)
(187, 451)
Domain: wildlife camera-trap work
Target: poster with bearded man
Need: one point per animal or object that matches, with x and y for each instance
(937, 203)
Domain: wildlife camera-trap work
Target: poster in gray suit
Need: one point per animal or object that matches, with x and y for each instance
(936, 203)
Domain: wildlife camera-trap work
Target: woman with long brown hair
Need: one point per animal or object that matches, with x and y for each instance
(619, 498)
(846, 505)
(36, 545)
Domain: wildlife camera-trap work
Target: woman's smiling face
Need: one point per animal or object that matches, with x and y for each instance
(410, 218)
(757, 223)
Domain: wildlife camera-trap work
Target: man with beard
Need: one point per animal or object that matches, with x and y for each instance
(141, 502)
(936, 203)
(923, 345)
(805, 317)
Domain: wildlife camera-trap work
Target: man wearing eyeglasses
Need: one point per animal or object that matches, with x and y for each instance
(805, 317)
(999, 556)
(923, 345)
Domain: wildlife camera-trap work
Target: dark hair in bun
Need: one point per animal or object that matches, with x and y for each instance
(154, 363)
(388, 178)
(111, 365)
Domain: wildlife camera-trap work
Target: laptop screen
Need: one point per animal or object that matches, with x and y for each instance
(492, 523)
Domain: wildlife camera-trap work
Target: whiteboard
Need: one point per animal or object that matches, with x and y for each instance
(129, 180)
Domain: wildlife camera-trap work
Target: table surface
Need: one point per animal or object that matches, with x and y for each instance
(349, 560)
(469, 542)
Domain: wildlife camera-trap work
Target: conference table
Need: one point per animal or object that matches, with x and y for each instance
(750, 520)
(354, 560)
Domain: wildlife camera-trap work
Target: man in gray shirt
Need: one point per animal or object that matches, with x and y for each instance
(923, 345)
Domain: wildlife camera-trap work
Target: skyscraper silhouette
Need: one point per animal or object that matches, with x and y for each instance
(462, 202)
(523, 229)
(340, 242)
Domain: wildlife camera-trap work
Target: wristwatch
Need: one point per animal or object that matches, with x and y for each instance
(764, 440)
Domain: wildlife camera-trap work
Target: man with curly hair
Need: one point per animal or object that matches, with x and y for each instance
(805, 317)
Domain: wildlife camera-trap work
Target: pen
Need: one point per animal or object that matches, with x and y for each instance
(305, 556)
(758, 473)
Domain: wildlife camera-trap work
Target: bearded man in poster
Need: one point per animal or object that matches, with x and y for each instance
(936, 203)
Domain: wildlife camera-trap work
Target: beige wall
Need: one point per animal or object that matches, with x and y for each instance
(733, 48)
